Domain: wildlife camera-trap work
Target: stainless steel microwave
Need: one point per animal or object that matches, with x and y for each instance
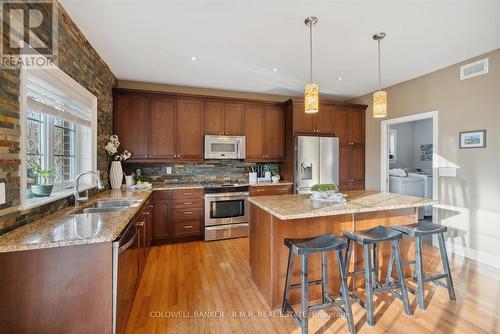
(224, 147)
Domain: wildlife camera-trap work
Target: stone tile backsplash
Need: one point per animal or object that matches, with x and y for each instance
(207, 171)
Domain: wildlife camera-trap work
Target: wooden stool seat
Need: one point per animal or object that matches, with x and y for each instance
(323, 243)
(373, 235)
(420, 229)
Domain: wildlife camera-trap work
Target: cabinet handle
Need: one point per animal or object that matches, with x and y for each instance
(260, 189)
(188, 203)
(145, 213)
(145, 155)
(141, 223)
(188, 212)
(188, 193)
(187, 227)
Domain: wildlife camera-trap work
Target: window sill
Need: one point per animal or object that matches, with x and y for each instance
(39, 201)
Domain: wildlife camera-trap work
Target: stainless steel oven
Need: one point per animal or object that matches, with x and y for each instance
(226, 208)
(226, 211)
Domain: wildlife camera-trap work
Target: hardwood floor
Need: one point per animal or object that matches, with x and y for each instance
(206, 287)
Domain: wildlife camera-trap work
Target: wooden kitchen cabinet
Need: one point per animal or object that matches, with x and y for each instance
(264, 133)
(162, 132)
(314, 124)
(233, 119)
(356, 127)
(352, 167)
(254, 132)
(340, 124)
(224, 118)
(271, 189)
(274, 124)
(177, 214)
(132, 124)
(189, 130)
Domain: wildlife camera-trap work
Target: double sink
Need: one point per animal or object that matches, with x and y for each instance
(104, 206)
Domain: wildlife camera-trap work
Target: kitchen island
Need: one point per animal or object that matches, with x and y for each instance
(274, 218)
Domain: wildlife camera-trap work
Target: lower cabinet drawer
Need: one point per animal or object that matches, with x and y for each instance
(187, 228)
(226, 231)
(188, 214)
(187, 203)
(270, 190)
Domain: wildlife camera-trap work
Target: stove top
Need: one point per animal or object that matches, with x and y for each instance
(224, 187)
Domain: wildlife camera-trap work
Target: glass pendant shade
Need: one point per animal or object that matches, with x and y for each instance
(311, 98)
(380, 104)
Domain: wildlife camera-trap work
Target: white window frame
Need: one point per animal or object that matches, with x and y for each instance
(61, 77)
(393, 133)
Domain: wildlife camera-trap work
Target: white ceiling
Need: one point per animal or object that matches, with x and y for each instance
(238, 43)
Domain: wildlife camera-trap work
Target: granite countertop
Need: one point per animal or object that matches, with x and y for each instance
(280, 183)
(287, 207)
(64, 228)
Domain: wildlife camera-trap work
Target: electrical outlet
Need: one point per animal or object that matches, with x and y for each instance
(169, 170)
(448, 171)
(2, 193)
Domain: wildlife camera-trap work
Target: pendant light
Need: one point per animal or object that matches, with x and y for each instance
(380, 96)
(311, 97)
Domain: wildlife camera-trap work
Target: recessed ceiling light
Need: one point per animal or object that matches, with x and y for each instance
(275, 70)
(194, 58)
(339, 78)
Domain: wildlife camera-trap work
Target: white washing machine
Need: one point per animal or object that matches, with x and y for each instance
(427, 191)
(412, 186)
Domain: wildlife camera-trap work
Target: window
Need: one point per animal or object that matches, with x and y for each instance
(393, 136)
(58, 134)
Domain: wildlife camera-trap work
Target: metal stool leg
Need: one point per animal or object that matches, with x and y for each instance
(304, 288)
(369, 287)
(288, 281)
(375, 265)
(347, 259)
(324, 277)
(345, 294)
(401, 274)
(446, 267)
(389, 268)
(419, 273)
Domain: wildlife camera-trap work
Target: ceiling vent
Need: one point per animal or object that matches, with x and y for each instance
(474, 69)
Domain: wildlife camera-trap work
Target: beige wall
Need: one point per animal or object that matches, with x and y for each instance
(471, 104)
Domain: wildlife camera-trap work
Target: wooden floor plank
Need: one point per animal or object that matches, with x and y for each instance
(207, 277)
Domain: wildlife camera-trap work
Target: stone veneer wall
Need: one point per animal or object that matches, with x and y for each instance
(208, 171)
(80, 61)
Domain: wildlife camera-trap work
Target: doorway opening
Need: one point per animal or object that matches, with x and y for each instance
(409, 153)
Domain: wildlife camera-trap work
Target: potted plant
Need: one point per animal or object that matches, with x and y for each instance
(116, 171)
(43, 188)
(272, 172)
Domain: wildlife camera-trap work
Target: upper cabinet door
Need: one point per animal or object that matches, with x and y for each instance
(189, 130)
(131, 124)
(162, 128)
(340, 124)
(356, 163)
(274, 126)
(254, 132)
(234, 119)
(323, 120)
(356, 126)
(302, 121)
(214, 118)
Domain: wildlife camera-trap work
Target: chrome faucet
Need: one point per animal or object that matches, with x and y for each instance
(76, 191)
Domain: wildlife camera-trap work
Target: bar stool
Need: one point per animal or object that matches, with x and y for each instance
(417, 231)
(367, 238)
(303, 248)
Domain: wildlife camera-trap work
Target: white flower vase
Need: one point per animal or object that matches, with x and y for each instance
(116, 175)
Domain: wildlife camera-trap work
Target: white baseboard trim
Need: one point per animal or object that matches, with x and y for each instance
(473, 254)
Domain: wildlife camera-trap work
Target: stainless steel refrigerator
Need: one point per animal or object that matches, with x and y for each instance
(316, 161)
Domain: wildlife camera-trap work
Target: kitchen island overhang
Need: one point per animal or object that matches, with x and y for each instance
(273, 218)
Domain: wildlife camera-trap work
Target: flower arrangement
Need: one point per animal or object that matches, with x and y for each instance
(112, 149)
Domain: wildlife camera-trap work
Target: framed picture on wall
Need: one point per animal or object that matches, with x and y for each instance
(473, 139)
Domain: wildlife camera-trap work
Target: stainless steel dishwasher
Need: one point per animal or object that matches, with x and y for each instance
(125, 275)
